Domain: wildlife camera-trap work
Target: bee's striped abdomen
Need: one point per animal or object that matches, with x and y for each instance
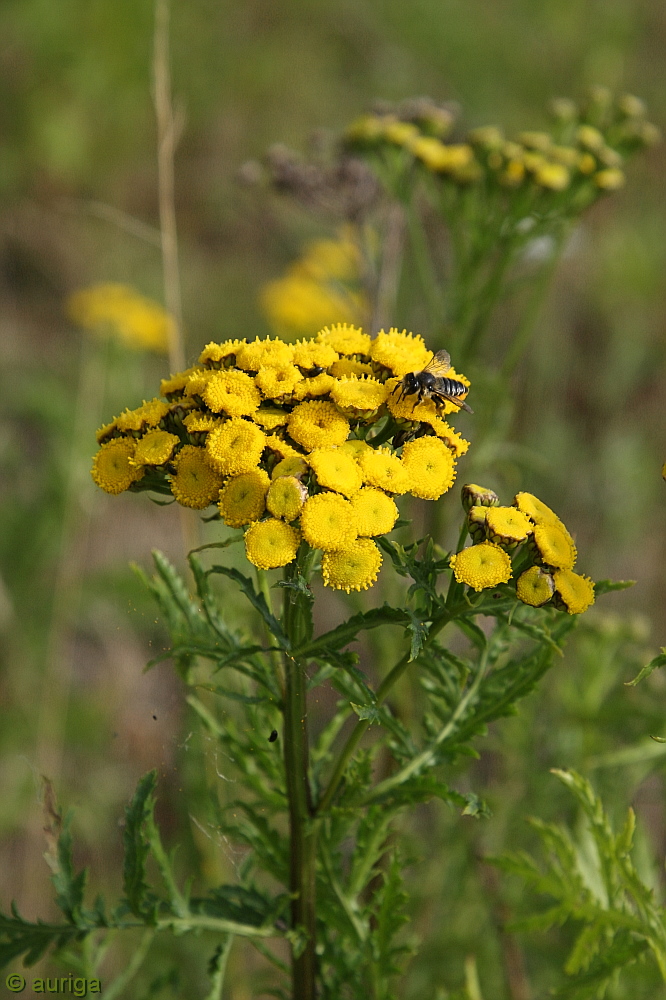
(451, 387)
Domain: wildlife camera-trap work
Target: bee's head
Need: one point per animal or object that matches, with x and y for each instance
(410, 383)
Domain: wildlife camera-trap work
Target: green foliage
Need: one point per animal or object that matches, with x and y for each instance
(593, 881)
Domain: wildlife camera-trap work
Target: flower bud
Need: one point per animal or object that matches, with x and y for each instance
(481, 496)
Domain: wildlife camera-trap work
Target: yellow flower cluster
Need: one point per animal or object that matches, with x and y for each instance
(322, 287)
(139, 322)
(543, 550)
(296, 443)
(583, 154)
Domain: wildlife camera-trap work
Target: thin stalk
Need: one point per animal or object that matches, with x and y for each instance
(426, 757)
(302, 829)
(388, 279)
(530, 315)
(117, 987)
(362, 725)
(217, 978)
(424, 265)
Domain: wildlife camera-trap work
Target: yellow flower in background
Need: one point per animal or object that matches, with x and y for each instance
(139, 322)
(480, 566)
(243, 498)
(270, 544)
(355, 568)
(195, 483)
(322, 287)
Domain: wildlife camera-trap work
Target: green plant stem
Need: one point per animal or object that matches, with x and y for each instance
(529, 317)
(362, 725)
(424, 265)
(427, 757)
(302, 829)
(116, 988)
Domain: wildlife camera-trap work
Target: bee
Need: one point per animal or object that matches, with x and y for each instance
(432, 383)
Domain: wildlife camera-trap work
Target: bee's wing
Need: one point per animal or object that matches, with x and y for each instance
(439, 364)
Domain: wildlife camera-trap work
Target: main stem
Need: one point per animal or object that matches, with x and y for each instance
(302, 827)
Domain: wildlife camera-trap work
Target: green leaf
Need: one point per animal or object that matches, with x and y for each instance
(20, 937)
(348, 631)
(137, 848)
(658, 661)
(257, 600)
(68, 885)
(242, 905)
(606, 586)
(367, 712)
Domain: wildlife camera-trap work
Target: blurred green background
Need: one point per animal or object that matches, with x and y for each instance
(588, 431)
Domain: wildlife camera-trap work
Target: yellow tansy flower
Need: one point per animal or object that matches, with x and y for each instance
(452, 439)
(286, 497)
(175, 384)
(310, 354)
(293, 465)
(147, 415)
(264, 353)
(355, 447)
(198, 381)
(350, 366)
(139, 322)
(336, 470)
(554, 176)
(280, 447)
(271, 543)
(276, 381)
(481, 566)
(195, 483)
(316, 424)
(555, 546)
(320, 385)
(231, 392)
(219, 355)
(431, 467)
(508, 525)
(155, 448)
(575, 591)
(345, 339)
(400, 352)
(536, 509)
(198, 422)
(610, 179)
(355, 568)
(359, 396)
(270, 419)
(383, 469)
(327, 522)
(243, 498)
(535, 586)
(235, 446)
(113, 469)
(374, 512)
